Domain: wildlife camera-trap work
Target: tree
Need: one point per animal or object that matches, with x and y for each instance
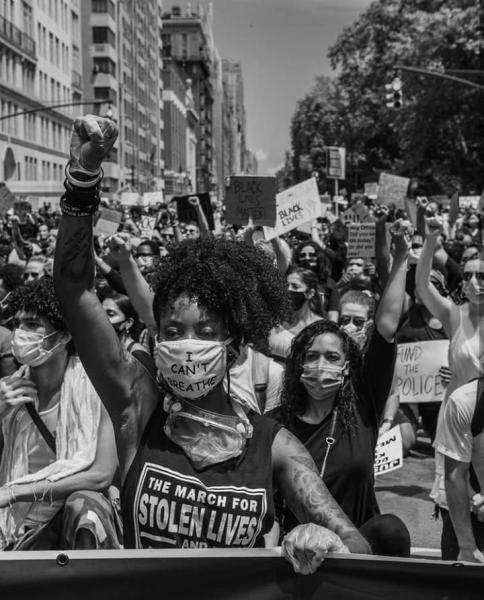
(438, 134)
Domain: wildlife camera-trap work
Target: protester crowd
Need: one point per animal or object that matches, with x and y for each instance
(188, 386)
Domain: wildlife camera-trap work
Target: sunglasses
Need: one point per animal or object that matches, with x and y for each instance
(358, 322)
(190, 230)
(468, 275)
(26, 276)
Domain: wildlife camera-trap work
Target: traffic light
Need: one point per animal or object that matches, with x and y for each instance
(394, 95)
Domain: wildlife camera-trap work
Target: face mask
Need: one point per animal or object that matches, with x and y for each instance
(297, 299)
(473, 291)
(357, 334)
(28, 347)
(308, 263)
(191, 368)
(119, 326)
(206, 438)
(322, 382)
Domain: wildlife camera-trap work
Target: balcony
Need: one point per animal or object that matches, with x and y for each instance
(76, 79)
(17, 38)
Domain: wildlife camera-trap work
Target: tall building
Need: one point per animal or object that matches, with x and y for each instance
(40, 45)
(235, 118)
(187, 39)
(180, 119)
(122, 66)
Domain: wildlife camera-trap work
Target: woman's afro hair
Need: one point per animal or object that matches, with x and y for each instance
(38, 297)
(228, 278)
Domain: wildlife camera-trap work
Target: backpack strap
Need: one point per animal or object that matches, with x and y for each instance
(477, 424)
(41, 426)
(260, 377)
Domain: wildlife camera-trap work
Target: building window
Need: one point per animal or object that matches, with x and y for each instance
(103, 35)
(104, 65)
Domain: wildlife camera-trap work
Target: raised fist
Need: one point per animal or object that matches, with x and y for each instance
(434, 226)
(91, 141)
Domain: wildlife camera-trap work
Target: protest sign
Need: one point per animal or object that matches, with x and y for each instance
(361, 240)
(186, 211)
(146, 225)
(152, 198)
(129, 198)
(392, 189)
(371, 190)
(469, 201)
(108, 222)
(388, 452)
(250, 197)
(336, 162)
(349, 216)
(417, 367)
(295, 206)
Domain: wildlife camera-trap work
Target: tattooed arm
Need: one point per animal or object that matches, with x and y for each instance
(305, 493)
(119, 379)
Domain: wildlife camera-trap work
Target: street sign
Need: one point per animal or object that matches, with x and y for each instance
(336, 162)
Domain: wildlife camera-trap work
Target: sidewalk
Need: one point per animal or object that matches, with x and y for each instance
(405, 493)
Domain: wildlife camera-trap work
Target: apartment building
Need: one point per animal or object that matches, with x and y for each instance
(122, 66)
(39, 68)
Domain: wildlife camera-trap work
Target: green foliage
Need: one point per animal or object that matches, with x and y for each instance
(437, 136)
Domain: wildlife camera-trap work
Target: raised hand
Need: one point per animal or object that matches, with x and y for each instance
(91, 141)
(401, 232)
(120, 247)
(194, 201)
(434, 226)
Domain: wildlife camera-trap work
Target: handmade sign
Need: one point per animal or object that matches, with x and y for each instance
(108, 222)
(417, 368)
(295, 206)
(469, 201)
(152, 198)
(336, 162)
(186, 211)
(361, 240)
(388, 452)
(371, 190)
(146, 225)
(249, 197)
(392, 189)
(129, 198)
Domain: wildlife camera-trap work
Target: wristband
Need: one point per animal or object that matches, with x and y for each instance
(388, 420)
(91, 182)
(76, 211)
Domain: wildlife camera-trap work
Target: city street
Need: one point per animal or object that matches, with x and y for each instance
(405, 492)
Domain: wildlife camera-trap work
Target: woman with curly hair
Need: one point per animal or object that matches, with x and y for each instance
(334, 396)
(309, 255)
(197, 469)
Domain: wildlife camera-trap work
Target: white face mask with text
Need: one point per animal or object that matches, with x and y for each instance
(191, 368)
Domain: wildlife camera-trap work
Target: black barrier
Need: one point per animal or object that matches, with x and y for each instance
(229, 575)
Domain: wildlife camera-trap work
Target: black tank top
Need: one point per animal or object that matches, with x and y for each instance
(166, 503)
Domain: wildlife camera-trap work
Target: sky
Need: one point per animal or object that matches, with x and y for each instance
(282, 45)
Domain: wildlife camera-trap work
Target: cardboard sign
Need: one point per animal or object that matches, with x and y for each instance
(371, 190)
(392, 189)
(129, 198)
(251, 198)
(152, 198)
(108, 222)
(146, 225)
(361, 240)
(388, 452)
(295, 206)
(417, 367)
(186, 212)
(336, 162)
(469, 201)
